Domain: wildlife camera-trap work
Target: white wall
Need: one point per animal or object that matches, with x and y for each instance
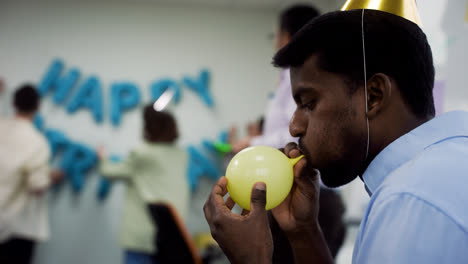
(140, 42)
(456, 29)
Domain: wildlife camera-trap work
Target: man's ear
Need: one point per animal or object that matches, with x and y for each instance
(379, 91)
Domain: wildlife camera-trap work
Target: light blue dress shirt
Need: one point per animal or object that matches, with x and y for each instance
(418, 212)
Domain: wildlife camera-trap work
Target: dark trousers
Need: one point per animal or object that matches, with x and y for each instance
(16, 251)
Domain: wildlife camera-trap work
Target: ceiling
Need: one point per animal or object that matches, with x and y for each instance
(323, 5)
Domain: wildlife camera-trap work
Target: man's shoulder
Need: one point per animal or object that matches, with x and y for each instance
(436, 177)
(35, 139)
(5, 122)
(23, 130)
(443, 163)
(160, 152)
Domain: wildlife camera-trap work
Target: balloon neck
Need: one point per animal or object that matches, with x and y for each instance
(295, 160)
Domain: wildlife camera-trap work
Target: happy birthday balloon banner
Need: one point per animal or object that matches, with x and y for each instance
(206, 161)
(77, 159)
(124, 96)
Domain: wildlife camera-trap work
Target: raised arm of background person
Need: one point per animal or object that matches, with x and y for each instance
(3, 99)
(277, 117)
(117, 170)
(37, 167)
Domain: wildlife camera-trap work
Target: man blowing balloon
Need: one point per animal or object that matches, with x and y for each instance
(362, 80)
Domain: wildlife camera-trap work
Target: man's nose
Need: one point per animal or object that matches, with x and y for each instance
(297, 125)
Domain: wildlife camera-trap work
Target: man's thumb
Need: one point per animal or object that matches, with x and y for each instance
(258, 198)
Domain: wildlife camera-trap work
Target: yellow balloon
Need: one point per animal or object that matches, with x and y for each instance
(260, 164)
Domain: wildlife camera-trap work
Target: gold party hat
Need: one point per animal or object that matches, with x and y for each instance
(405, 8)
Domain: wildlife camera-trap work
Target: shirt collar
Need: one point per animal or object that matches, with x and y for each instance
(449, 125)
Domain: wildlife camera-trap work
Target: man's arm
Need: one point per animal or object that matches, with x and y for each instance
(309, 246)
(121, 170)
(116, 170)
(37, 169)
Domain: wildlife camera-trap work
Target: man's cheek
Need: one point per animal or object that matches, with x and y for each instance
(312, 152)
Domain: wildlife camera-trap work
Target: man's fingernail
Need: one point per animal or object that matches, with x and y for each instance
(260, 187)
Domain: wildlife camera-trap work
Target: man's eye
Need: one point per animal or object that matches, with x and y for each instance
(309, 106)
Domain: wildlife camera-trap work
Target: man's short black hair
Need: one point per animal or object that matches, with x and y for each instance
(26, 99)
(394, 46)
(295, 17)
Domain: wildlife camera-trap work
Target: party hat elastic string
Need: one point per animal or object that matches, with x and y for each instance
(365, 82)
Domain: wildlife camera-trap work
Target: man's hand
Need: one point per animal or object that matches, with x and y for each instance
(300, 209)
(232, 135)
(56, 176)
(297, 215)
(244, 238)
(254, 129)
(101, 153)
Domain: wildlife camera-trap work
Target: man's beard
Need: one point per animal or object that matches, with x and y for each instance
(331, 177)
(334, 180)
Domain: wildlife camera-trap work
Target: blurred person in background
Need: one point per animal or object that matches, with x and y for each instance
(153, 172)
(281, 107)
(25, 176)
(3, 104)
(253, 129)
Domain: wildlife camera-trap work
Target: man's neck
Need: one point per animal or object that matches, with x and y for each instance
(407, 124)
(23, 116)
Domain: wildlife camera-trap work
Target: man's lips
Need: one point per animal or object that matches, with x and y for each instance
(304, 151)
(301, 147)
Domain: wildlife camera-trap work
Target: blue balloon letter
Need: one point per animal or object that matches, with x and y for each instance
(77, 160)
(124, 96)
(65, 85)
(89, 95)
(201, 87)
(105, 185)
(199, 166)
(49, 79)
(52, 81)
(39, 122)
(57, 140)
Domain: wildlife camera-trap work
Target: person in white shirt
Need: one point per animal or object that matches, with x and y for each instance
(281, 106)
(24, 177)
